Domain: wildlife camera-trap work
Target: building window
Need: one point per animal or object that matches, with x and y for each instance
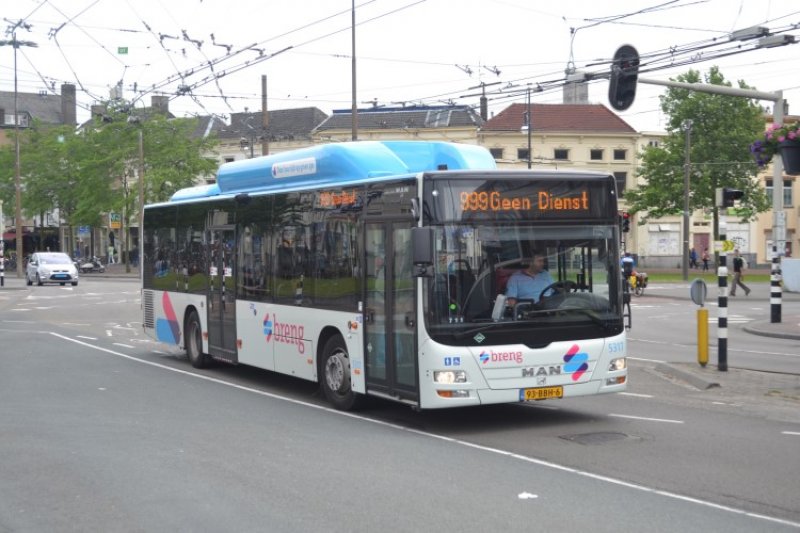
(596, 154)
(561, 154)
(787, 192)
(229, 159)
(621, 178)
(497, 153)
(620, 155)
(653, 144)
(522, 154)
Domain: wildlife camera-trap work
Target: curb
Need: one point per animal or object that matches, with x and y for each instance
(692, 379)
(761, 328)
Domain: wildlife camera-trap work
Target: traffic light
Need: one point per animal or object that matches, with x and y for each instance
(624, 74)
(729, 196)
(625, 221)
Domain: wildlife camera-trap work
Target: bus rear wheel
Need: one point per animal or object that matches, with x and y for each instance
(335, 375)
(194, 341)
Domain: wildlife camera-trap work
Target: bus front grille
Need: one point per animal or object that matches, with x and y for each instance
(149, 320)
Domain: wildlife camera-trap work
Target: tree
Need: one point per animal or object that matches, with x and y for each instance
(722, 129)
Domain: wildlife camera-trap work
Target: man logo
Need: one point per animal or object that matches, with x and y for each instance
(536, 371)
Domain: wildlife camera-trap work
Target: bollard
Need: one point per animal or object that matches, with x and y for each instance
(702, 336)
(698, 291)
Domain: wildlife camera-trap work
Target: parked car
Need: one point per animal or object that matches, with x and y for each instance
(51, 267)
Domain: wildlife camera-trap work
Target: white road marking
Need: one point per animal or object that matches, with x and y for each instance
(527, 496)
(647, 419)
(636, 395)
(497, 451)
(123, 345)
(87, 338)
(791, 433)
(644, 359)
(108, 333)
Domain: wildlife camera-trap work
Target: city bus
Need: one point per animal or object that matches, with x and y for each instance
(381, 268)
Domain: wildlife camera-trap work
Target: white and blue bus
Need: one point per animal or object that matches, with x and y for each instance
(380, 268)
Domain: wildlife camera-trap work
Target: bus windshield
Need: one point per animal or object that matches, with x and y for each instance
(530, 278)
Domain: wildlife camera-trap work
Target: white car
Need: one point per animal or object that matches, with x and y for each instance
(51, 267)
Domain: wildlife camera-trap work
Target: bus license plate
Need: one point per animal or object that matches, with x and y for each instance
(541, 393)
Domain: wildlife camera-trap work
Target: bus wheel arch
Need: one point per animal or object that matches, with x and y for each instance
(334, 371)
(193, 339)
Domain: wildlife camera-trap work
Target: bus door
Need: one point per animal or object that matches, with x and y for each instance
(221, 294)
(390, 311)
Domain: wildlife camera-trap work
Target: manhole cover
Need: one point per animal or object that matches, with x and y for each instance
(600, 437)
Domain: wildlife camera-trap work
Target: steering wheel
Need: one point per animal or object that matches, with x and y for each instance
(560, 287)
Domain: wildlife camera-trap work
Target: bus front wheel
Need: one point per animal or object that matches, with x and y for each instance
(336, 375)
(194, 341)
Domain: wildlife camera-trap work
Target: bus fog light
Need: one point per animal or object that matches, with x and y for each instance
(453, 393)
(617, 364)
(615, 381)
(449, 376)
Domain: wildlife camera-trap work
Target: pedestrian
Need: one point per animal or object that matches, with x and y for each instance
(706, 258)
(110, 254)
(738, 274)
(693, 258)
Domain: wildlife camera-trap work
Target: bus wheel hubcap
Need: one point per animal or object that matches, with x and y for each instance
(335, 369)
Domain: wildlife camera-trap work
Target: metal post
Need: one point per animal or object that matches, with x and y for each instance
(722, 317)
(17, 179)
(2, 248)
(530, 124)
(778, 224)
(353, 70)
(140, 247)
(687, 127)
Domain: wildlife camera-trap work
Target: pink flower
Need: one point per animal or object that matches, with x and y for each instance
(792, 135)
(781, 139)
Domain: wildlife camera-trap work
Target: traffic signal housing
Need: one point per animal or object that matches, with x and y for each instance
(726, 197)
(624, 76)
(625, 221)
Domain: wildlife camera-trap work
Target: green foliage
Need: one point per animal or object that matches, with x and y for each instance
(722, 129)
(89, 172)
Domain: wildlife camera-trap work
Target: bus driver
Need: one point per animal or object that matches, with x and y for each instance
(529, 283)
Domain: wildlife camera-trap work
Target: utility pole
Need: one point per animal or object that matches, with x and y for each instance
(687, 127)
(354, 112)
(264, 117)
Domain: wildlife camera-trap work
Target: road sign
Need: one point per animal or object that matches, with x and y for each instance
(724, 246)
(114, 221)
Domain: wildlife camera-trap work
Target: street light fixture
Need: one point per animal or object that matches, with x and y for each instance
(17, 185)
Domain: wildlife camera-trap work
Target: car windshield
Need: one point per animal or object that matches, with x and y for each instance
(524, 279)
(54, 259)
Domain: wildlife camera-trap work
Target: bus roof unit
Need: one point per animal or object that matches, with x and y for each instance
(347, 162)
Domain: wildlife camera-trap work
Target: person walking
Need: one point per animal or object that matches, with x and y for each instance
(705, 259)
(738, 274)
(693, 258)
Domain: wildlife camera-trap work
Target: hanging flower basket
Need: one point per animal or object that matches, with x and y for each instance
(790, 153)
(783, 139)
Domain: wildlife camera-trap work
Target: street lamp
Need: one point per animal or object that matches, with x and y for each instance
(17, 186)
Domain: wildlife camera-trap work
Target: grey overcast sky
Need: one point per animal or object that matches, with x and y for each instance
(209, 55)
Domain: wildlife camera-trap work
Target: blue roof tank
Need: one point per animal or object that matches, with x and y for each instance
(347, 162)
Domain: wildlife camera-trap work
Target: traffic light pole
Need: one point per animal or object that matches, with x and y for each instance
(778, 215)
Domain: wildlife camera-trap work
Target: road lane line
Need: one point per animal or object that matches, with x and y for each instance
(791, 432)
(123, 345)
(87, 338)
(393, 425)
(635, 394)
(647, 419)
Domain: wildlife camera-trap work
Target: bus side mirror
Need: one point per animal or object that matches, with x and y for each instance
(422, 251)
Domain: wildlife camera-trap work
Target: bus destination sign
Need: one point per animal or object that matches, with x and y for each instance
(495, 201)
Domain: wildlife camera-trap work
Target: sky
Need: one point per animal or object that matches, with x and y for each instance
(209, 55)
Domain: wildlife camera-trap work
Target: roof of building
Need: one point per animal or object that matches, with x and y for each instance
(559, 118)
(284, 124)
(45, 107)
(415, 117)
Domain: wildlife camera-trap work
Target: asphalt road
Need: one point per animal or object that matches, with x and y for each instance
(101, 429)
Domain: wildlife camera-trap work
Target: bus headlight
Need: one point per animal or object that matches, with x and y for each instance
(449, 376)
(617, 364)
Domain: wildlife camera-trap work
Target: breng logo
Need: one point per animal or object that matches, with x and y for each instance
(576, 362)
(284, 332)
(500, 357)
